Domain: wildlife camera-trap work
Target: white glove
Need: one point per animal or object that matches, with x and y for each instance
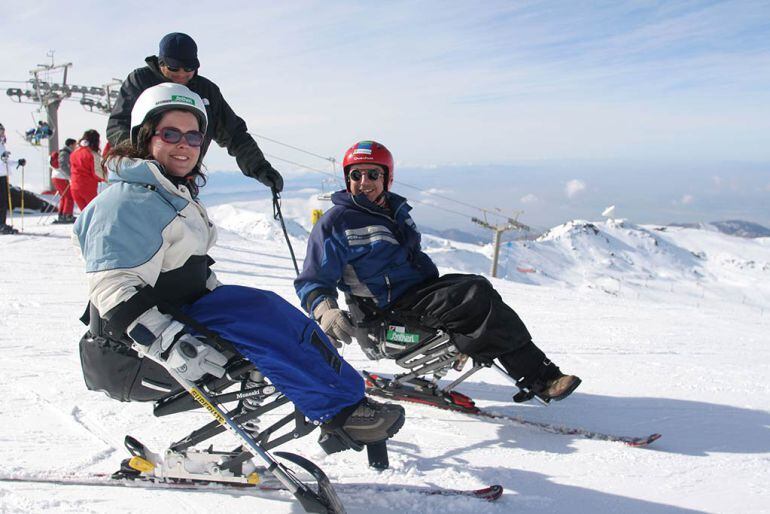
(192, 358)
(334, 322)
(189, 356)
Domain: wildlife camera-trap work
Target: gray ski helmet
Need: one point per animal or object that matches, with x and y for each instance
(166, 97)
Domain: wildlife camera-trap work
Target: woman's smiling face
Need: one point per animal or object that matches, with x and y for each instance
(178, 159)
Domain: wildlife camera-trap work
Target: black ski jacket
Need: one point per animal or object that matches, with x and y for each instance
(225, 127)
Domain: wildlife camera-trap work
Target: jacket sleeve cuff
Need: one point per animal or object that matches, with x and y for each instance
(152, 320)
(317, 296)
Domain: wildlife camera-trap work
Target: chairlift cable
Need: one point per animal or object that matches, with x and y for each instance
(423, 191)
(330, 159)
(317, 170)
(337, 178)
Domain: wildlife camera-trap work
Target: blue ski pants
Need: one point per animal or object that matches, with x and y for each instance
(285, 345)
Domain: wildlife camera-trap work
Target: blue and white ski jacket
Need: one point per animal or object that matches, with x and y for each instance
(365, 250)
(144, 230)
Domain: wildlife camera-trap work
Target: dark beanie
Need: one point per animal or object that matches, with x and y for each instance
(178, 51)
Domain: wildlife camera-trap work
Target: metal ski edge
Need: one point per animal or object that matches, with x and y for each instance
(490, 493)
(635, 442)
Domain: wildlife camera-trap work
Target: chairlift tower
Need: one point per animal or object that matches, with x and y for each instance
(511, 224)
(50, 97)
(49, 94)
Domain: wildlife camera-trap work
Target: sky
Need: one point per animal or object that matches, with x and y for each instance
(557, 105)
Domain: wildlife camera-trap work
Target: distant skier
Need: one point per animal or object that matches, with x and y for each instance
(6, 166)
(35, 134)
(86, 169)
(61, 180)
(4, 187)
(368, 245)
(148, 229)
(29, 136)
(42, 131)
(177, 62)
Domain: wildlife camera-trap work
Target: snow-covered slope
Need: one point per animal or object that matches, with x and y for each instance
(622, 258)
(668, 330)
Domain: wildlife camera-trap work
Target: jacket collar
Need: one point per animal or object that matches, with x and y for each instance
(145, 173)
(398, 205)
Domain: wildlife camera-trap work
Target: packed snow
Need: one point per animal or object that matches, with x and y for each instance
(667, 327)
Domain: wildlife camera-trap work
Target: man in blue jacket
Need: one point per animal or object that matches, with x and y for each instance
(368, 246)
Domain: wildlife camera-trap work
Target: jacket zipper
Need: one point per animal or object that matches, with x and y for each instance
(393, 219)
(387, 282)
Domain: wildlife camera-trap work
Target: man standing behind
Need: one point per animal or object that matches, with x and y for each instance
(177, 61)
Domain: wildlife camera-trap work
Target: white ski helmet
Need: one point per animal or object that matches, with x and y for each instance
(165, 97)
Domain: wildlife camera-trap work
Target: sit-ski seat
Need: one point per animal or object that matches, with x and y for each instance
(112, 367)
(427, 354)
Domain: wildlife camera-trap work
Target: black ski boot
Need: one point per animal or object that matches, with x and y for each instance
(366, 422)
(535, 375)
(64, 219)
(555, 389)
(8, 230)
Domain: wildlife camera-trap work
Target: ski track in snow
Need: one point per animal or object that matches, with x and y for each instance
(690, 361)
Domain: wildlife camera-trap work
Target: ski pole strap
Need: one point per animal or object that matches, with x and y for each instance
(278, 216)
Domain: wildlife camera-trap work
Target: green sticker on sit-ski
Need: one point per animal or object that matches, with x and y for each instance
(398, 334)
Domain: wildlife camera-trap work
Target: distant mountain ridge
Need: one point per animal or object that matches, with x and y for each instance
(615, 256)
(454, 234)
(738, 228)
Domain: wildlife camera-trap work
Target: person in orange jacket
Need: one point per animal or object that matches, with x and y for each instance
(86, 169)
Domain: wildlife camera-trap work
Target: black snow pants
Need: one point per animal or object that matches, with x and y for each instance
(482, 325)
(469, 308)
(3, 199)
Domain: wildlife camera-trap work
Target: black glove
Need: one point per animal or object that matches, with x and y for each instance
(272, 179)
(22, 162)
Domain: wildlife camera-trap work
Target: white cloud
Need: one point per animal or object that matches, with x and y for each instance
(429, 201)
(574, 187)
(437, 191)
(529, 198)
(687, 199)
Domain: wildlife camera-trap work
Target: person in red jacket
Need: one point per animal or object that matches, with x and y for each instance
(86, 169)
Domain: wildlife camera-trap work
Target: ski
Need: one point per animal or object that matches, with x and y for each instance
(565, 430)
(268, 484)
(458, 402)
(37, 234)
